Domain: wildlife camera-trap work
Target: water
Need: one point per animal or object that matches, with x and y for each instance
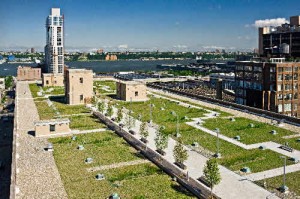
(101, 66)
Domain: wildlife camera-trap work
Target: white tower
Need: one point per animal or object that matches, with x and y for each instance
(54, 49)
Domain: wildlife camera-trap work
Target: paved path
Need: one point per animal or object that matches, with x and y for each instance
(273, 172)
(117, 165)
(37, 175)
(231, 186)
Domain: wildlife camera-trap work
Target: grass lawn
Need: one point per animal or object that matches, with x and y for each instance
(292, 181)
(105, 87)
(259, 133)
(54, 90)
(293, 142)
(234, 157)
(137, 181)
(85, 122)
(45, 112)
(164, 117)
(66, 109)
(34, 88)
(50, 90)
(222, 113)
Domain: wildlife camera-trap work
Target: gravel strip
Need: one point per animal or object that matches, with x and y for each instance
(37, 175)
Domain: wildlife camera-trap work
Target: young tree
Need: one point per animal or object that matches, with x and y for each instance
(144, 130)
(119, 115)
(101, 106)
(212, 173)
(161, 140)
(8, 81)
(94, 101)
(128, 120)
(179, 152)
(109, 110)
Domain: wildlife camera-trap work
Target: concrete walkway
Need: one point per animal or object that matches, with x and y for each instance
(273, 172)
(36, 172)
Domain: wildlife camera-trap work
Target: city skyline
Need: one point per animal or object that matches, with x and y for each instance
(143, 25)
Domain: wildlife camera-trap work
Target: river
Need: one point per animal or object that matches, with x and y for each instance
(101, 66)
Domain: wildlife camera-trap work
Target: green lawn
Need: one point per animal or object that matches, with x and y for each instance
(292, 181)
(259, 133)
(54, 90)
(138, 181)
(34, 88)
(45, 112)
(234, 157)
(85, 122)
(164, 117)
(105, 87)
(66, 109)
(50, 90)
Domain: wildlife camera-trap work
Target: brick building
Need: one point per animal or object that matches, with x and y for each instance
(131, 91)
(78, 86)
(25, 73)
(50, 79)
(272, 86)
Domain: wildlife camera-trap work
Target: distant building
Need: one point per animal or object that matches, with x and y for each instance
(78, 86)
(131, 91)
(228, 80)
(50, 128)
(54, 49)
(2, 84)
(283, 40)
(272, 86)
(26, 73)
(50, 79)
(111, 57)
(99, 51)
(32, 50)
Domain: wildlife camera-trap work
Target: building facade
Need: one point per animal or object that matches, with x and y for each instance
(283, 40)
(52, 127)
(272, 86)
(26, 73)
(131, 91)
(78, 86)
(54, 49)
(49, 79)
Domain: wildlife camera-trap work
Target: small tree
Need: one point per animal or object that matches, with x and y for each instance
(8, 81)
(161, 140)
(94, 101)
(144, 130)
(212, 173)
(119, 115)
(179, 152)
(128, 121)
(109, 110)
(101, 106)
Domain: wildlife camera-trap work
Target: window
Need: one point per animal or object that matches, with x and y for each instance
(136, 93)
(81, 97)
(52, 127)
(47, 82)
(81, 80)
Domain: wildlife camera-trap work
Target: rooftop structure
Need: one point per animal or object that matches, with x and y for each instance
(281, 40)
(270, 86)
(131, 91)
(28, 73)
(51, 127)
(78, 86)
(54, 49)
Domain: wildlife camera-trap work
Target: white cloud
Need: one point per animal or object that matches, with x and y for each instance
(180, 46)
(123, 46)
(213, 47)
(269, 22)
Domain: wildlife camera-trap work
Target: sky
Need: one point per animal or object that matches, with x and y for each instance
(135, 25)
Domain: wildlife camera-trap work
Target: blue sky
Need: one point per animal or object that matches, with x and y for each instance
(179, 25)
